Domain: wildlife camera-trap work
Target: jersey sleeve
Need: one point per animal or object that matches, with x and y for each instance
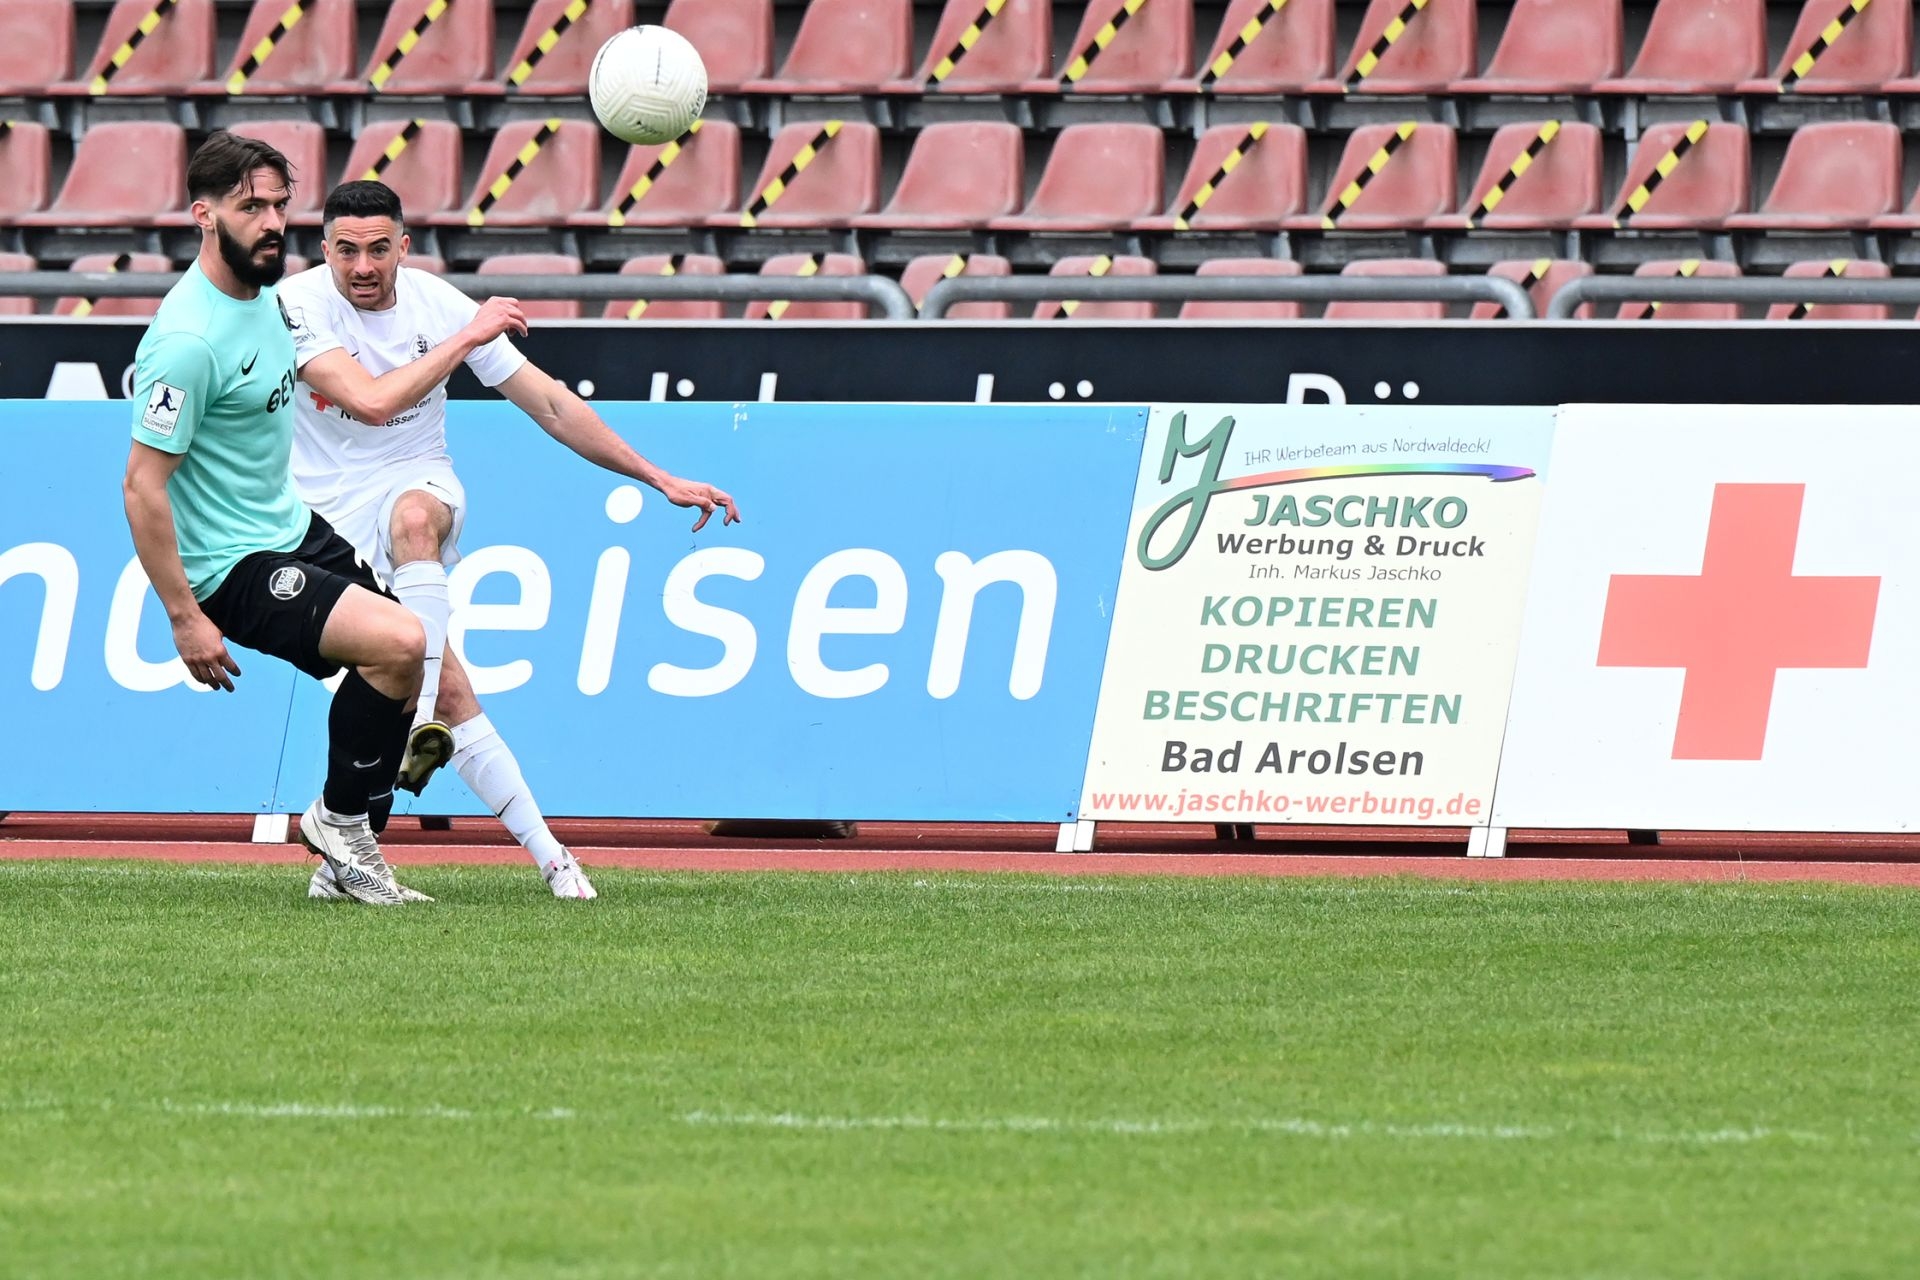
(173, 380)
(311, 324)
(493, 363)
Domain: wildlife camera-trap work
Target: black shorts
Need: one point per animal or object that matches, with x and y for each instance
(278, 602)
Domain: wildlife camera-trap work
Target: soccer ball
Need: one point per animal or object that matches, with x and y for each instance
(648, 85)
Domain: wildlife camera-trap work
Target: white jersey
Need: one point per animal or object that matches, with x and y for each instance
(337, 460)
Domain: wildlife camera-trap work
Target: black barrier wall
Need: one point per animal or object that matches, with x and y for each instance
(1439, 364)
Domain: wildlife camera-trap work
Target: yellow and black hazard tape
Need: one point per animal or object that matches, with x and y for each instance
(86, 305)
(1835, 269)
(237, 82)
(638, 191)
(1523, 162)
(1101, 39)
(968, 38)
(1183, 221)
(1247, 35)
(1370, 60)
(1804, 63)
(1535, 274)
(1687, 268)
(477, 216)
(764, 199)
(147, 26)
(1375, 164)
(544, 45)
(671, 267)
(1668, 163)
(401, 140)
(410, 38)
(1095, 269)
(811, 267)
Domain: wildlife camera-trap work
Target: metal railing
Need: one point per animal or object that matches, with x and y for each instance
(948, 293)
(1812, 290)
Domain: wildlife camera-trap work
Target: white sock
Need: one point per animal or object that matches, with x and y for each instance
(489, 769)
(421, 585)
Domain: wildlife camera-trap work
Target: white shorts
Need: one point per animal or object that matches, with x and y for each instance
(365, 518)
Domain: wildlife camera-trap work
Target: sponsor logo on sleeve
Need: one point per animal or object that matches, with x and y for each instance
(164, 403)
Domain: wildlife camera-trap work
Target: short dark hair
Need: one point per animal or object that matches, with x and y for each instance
(366, 198)
(223, 161)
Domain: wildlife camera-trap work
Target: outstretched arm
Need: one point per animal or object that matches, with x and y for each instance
(377, 401)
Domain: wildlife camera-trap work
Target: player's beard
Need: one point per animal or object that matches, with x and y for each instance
(240, 259)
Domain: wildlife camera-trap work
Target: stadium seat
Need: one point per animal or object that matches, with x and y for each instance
(808, 264)
(539, 264)
(423, 168)
(1390, 310)
(1266, 184)
(1698, 46)
(569, 48)
(1012, 49)
(1148, 49)
(427, 262)
(16, 306)
(1872, 54)
(318, 50)
(1413, 183)
(840, 182)
(101, 307)
(36, 45)
(1542, 278)
(1843, 173)
(961, 173)
(1439, 45)
(734, 37)
(304, 144)
(176, 55)
(927, 270)
(456, 50)
(1101, 177)
(660, 264)
(129, 172)
(681, 184)
(1199, 310)
(845, 46)
(1850, 268)
(1710, 182)
(1554, 46)
(26, 169)
(1260, 51)
(1103, 265)
(1704, 268)
(1559, 183)
(551, 169)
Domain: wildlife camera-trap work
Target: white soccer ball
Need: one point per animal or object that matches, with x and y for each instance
(648, 85)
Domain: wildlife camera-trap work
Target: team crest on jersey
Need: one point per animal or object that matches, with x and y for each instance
(420, 344)
(286, 583)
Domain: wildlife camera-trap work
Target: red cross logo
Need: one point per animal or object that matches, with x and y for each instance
(320, 402)
(1742, 620)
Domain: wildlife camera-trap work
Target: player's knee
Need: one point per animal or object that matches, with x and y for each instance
(408, 643)
(413, 526)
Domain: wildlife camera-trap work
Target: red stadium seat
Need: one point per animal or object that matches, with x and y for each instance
(570, 45)
(1266, 184)
(456, 50)
(171, 59)
(1390, 310)
(1559, 180)
(1704, 268)
(660, 264)
(1013, 48)
(1710, 183)
(427, 262)
(808, 264)
(1415, 181)
(1873, 53)
(1102, 265)
(129, 172)
(140, 263)
(423, 170)
(26, 169)
(1542, 277)
(734, 37)
(317, 51)
(1698, 46)
(1554, 46)
(845, 46)
(539, 264)
(36, 45)
(960, 174)
(929, 269)
(561, 176)
(1843, 173)
(681, 184)
(1440, 44)
(1198, 310)
(16, 306)
(304, 144)
(1100, 177)
(1851, 269)
(839, 183)
(1153, 46)
(1260, 51)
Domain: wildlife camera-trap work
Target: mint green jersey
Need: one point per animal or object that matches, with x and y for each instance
(213, 382)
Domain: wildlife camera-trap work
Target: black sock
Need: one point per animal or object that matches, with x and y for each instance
(366, 737)
(379, 810)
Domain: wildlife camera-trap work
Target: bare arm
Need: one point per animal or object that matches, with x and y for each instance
(570, 420)
(377, 401)
(150, 518)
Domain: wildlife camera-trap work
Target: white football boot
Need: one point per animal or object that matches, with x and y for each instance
(359, 870)
(567, 880)
(324, 886)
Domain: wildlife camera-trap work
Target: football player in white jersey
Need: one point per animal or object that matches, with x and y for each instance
(375, 341)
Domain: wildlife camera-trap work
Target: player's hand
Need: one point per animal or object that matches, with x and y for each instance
(204, 650)
(692, 493)
(497, 316)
